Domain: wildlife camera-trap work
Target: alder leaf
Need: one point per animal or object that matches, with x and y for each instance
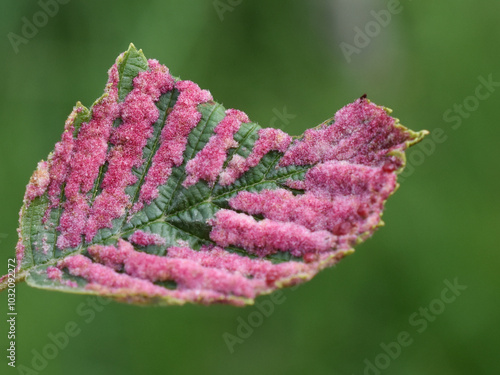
(159, 195)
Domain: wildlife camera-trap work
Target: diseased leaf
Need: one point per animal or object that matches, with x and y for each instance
(159, 195)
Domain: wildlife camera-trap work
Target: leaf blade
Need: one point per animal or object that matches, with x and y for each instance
(194, 203)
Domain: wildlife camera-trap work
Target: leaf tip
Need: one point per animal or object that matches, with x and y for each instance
(131, 47)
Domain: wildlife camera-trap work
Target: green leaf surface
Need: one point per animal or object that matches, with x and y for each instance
(159, 195)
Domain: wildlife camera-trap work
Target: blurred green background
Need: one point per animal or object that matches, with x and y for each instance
(262, 57)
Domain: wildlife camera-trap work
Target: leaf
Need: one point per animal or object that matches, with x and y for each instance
(158, 195)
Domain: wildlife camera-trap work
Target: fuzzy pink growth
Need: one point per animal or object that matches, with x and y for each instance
(190, 275)
(38, 183)
(183, 118)
(256, 268)
(105, 280)
(90, 151)
(92, 142)
(340, 197)
(61, 159)
(138, 113)
(233, 171)
(72, 222)
(154, 82)
(101, 276)
(362, 133)
(146, 239)
(110, 255)
(333, 179)
(295, 184)
(267, 236)
(208, 163)
(269, 140)
(339, 216)
(307, 210)
(187, 273)
(54, 273)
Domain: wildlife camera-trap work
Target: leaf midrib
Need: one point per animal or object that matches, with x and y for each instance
(209, 200)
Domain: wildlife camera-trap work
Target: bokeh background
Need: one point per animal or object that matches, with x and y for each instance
(266, 58)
